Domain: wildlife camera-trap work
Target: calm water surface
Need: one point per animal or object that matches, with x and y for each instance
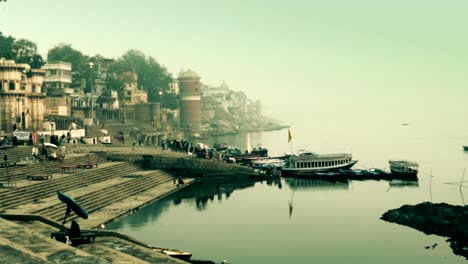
(330, 222)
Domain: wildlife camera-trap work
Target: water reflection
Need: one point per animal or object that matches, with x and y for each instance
(200, 194)
(303, 184)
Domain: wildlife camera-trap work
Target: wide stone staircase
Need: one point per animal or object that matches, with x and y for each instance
(98, 199)
(47, 167)
(30, 242)
(35, 192)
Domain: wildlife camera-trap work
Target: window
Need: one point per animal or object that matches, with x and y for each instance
(12, 86)
(1, 86)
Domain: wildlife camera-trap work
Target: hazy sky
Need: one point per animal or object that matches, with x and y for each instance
(353, 56)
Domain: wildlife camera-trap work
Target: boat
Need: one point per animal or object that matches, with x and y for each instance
(404, 168)
(465, 148)
(254, 154)
(179, 254)
(309, 163)
(199, 136)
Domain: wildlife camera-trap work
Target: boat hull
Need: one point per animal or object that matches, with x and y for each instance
(285, 172)
(404, 175)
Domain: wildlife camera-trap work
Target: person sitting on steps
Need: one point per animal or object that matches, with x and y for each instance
(74, 230)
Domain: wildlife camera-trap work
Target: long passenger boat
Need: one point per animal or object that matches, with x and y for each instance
(308, 163)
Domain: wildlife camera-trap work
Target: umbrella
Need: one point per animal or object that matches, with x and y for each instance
(72, 205)
(50, 145)
(103, 131)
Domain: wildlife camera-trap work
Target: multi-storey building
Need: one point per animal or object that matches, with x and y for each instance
(57, 81)
(21, 96)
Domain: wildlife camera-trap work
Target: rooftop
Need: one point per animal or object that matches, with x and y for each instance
(188, 74)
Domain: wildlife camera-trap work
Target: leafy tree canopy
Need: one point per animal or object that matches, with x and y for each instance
(20, 50)
(152, 76)
(6, 46)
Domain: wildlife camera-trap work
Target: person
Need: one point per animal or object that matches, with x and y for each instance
(35, 152)
(14, 127)
(30, 142)
(62, 153)
(180, 182)
(74, 230)
(53, 156)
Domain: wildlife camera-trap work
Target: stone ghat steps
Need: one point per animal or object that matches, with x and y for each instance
(99, 199)
(37, 246)
(21, 172)
(32, 193)
(15, 154)
(112, 249)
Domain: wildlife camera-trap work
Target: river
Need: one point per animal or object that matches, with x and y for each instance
(330, 222)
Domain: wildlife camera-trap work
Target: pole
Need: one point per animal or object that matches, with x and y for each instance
(461, 186)
(430, 187)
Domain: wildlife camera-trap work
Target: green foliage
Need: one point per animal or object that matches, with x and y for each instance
(6, 46)
(21, 51)
(117, 78)
(152, 76)
(170, 101)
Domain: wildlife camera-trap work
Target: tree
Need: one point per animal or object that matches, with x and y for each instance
(21, 51)
(25, 51)
(6, 45)
(152, 76)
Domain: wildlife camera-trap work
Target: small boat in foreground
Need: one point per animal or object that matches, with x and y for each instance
(179, 254)
(404, 168)
(309, 163)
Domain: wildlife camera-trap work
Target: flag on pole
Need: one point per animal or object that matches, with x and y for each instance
(289, 136)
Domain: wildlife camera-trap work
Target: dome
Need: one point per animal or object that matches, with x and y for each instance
(188, 74)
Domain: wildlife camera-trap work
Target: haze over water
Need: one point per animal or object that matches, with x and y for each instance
(344, 74)
(330, 223)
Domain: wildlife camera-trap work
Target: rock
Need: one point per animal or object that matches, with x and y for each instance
(440, 219)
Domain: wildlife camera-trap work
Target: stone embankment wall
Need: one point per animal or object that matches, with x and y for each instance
(187, 166)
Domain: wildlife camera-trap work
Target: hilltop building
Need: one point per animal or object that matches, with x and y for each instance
(219, 96)
(133, 95)
(21, 96)
(190, 100)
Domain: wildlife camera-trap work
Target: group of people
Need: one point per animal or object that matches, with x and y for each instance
(199, 150)
(8, 143)
(50, 154)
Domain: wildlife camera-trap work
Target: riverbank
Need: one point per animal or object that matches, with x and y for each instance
(440, 219)
(114, 183)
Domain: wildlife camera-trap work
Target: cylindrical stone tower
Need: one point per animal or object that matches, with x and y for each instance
(190, 100)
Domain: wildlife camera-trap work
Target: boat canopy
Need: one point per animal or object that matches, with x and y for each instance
(304, 152)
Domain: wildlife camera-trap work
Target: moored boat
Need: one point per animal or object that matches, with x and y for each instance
(404, 168)
(308, 163)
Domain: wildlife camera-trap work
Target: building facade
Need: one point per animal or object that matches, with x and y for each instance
(21, 96)
(57, 82)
